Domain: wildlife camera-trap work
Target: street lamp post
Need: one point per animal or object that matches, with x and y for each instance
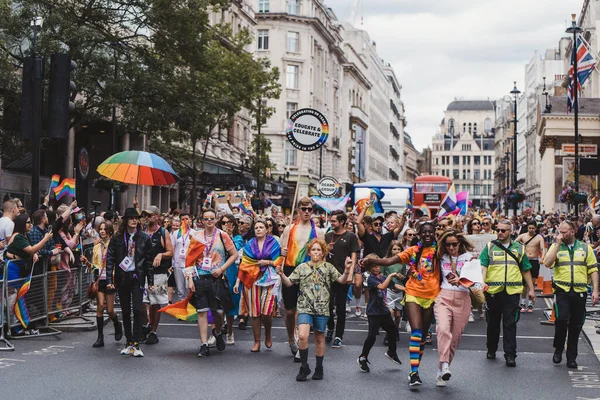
(359, 143)
(507, 173)
(38, 104)
(516, 93)
(574, 29)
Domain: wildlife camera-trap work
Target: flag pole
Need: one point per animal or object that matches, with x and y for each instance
(298, 183)
(75, 178)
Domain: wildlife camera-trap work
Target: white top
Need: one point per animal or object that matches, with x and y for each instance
(180, 248)
(6, 228)
(447, 269)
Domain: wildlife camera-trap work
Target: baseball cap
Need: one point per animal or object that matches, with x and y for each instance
(152, 210)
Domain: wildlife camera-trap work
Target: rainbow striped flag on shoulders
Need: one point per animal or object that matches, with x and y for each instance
(21, 312)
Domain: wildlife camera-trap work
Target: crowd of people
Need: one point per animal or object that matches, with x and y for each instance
(304, 268)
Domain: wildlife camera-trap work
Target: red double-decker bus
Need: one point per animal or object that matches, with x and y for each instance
(430, 190)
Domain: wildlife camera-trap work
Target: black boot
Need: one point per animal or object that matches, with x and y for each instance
(118, 328)
(100, 326)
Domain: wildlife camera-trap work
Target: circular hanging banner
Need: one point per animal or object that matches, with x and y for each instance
(307, 129)
(328, 186)
(84, 163)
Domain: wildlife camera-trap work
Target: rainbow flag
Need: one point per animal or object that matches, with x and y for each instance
(66, 187)
(54, 181)
(20, 306)
(297, 255)
(409, 204)
(425, 210)
(249, 270)
(183, 229)
(246, 206)
(184, 311)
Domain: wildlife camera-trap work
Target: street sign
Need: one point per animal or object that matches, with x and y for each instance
(432, 198)
(84, 163)
(307, 129)
(584, 149)
(328, 186)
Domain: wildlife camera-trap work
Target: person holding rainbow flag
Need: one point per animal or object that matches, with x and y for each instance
(294, 243)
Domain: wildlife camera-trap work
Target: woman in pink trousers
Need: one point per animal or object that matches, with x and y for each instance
(453, 304)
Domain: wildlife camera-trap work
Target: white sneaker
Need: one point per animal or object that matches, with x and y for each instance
(230, 339)
(212, 342)
(471, 317)
(445, 373)
(128, 350)
(358, 313)
(137, 352)
(439, 382)
(408, 329)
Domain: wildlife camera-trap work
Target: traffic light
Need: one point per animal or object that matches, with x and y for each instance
(59, 98)
(27, 98)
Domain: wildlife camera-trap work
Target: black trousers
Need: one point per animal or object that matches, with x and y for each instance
(502, 308)
(131, 296)
(386, 323)
(339, 293)
(569, 308)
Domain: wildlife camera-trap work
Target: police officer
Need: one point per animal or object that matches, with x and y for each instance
(573, 262)
(505, 266)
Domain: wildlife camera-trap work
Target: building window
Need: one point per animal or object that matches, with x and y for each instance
(455, 174)
(292, 6)
(293, 39)
(475, 128)
(455, 160)
(291, 80)
(487, 127)
(263, 39)
(264, 6)
(477, 174)
(290, 109)
(470, 129)
(476, 190)
(437, 161)
(290, 154)
(477, 160)
(451, 126)
(464, 127)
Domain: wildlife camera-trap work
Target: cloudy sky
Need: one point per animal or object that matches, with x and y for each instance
(446, 49)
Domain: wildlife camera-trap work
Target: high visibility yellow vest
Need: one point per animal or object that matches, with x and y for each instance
(570, 269)
(503, 271)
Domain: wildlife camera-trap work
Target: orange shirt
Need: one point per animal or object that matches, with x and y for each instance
(429, 286)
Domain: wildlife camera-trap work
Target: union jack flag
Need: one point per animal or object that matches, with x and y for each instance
(586, 63)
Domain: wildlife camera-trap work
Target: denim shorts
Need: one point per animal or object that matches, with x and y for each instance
(318, 322)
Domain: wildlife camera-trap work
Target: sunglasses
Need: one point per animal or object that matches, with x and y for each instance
(503, 230)
(409, 234)
(269, 225)
(208, 219)
(486, 223)
(475, 223)
(452, 244)
(377, 224)
(282, 225)
(306, 209)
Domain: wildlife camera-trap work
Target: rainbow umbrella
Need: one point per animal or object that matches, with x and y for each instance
(138, 168)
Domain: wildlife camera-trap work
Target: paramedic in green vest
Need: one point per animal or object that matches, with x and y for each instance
(574, 263)
(504, 265)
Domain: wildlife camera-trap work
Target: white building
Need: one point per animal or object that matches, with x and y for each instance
(542, 74)
(464, 149)
(304, 40)
(333, 67)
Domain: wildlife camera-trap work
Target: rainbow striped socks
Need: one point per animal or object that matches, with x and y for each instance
(414, 348)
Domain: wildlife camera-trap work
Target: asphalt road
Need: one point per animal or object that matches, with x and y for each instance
(67, 367)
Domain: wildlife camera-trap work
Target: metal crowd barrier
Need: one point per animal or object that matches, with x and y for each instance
(66, 296)
(8, 346)
(35, 302)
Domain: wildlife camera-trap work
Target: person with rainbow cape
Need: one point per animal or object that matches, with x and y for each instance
(422, 288)
(261, 283)
(294, 243)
